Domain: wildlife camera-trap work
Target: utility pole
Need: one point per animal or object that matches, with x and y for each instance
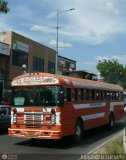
(57, 36)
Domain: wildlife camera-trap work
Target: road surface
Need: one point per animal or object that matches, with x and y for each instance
(20, 148)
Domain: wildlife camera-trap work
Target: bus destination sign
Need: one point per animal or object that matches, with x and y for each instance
(34, 80)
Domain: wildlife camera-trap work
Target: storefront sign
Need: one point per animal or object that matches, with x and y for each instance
(4, 49)
(17, 45)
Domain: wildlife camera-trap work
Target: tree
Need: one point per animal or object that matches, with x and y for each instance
(113, 72)
(88, 76)
(4, 6)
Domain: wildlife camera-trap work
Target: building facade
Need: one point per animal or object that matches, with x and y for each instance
(65, 64)
(80, 74)
(21, 50)
(4, 60)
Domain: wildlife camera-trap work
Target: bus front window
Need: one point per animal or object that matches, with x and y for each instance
(37, 96)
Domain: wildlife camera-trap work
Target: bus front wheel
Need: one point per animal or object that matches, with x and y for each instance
(78, 135)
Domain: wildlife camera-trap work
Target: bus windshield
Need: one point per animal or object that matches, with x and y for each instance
(37, 96)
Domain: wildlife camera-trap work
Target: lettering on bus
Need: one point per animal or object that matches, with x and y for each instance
(34, 80)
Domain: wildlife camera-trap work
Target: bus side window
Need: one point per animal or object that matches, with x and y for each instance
(67, 94)
(97, 95)
(82, 94)
(117, 96)
(120, 96)
(79, 95)
(108, 95)
(90, 95)
(73, 95)
(93, 95)
(114, 95)
(87, 95)
(104, 95)
(101, 92)
(111, 95)
(76, 94)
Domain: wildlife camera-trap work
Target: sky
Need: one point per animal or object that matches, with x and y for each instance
(93, 31)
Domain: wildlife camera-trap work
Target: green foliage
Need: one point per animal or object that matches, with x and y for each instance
(113, 72)
(88, 76)
(4, 6)
(113, 147)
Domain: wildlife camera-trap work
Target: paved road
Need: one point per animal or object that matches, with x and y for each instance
(19, 148)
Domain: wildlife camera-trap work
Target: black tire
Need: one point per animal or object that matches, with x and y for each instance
(111, 121)
(78, 135)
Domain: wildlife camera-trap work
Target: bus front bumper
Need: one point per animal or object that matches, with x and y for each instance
(42, 134)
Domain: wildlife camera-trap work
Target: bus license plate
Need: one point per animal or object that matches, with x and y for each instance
(31, 133)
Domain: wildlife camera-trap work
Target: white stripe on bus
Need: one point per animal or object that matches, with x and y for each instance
(93, 116)
(88, 105)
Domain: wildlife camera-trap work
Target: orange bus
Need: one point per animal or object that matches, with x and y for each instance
(51, 106)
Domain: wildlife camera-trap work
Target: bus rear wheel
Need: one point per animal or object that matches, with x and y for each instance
(78, 135)
(111, 121)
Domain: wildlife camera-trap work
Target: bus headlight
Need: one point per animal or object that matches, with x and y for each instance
(53, 118)
(14, 118)
(14, 115)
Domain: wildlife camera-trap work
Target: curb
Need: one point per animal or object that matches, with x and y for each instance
(97, 149)
(124, 140)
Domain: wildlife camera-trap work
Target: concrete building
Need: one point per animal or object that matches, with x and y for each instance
(4, 61)
(80, 74)
(22, 50)
(65, 64)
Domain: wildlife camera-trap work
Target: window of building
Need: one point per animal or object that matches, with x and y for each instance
(61, 64)
(51, 67)
(19, 58)
(38, 64)
(72, 65)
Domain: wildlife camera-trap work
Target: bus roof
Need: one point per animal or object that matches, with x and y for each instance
(36, 79)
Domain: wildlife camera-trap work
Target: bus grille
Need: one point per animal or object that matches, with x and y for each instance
(33, 119)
